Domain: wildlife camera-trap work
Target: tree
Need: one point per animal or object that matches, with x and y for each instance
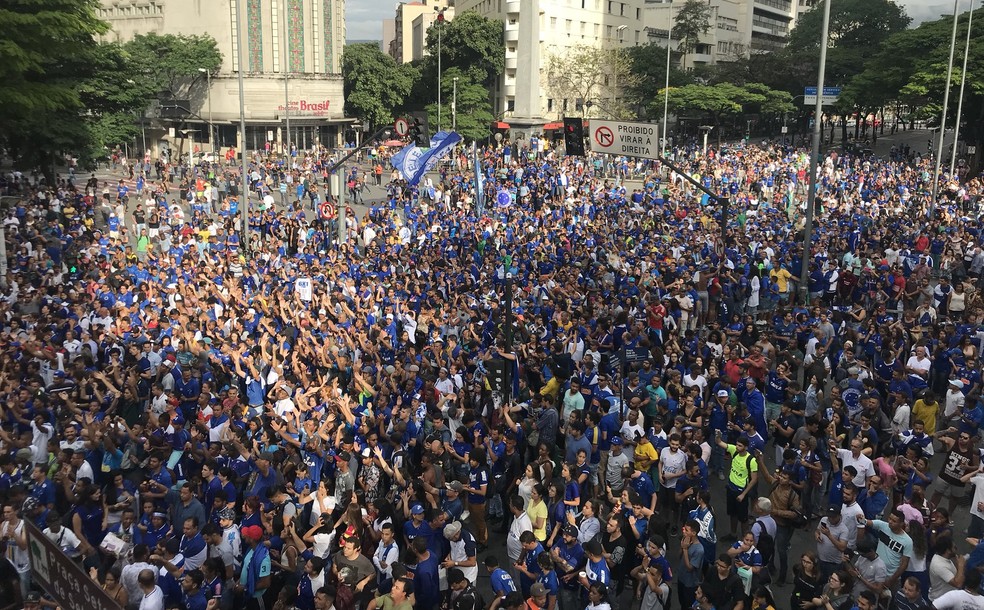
(474, 110)
(45, 54)
(171, 62)
(648, 68)
(375, 85)
(692, 22)
(599, 78)
(469, 41)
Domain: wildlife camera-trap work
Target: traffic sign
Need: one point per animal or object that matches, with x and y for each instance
(61, 577)
(327, 210)
(621, 138)
(401, 127)
(830, 95)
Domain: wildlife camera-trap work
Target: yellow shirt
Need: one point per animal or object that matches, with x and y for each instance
(538, 511)
(742, 467)
(645, 452)
(927, 413)
(781, 278)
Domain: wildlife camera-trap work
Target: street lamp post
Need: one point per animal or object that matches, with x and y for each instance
(666, 87)
(208, 86)
(963, 81)
(946, 101)
(244, 181)
(454, 105)
(814, 157)
(440, 28)
(286, 46)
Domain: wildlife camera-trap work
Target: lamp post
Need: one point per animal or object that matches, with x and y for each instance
(208, 86)
(454, 105)
(946, 101)
(244, 181)
(963, 81)
(440, 28)
(666, 88)
(286, 46)
(814, 157)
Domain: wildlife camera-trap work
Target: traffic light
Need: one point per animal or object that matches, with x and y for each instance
(419, 132)
(574, 136)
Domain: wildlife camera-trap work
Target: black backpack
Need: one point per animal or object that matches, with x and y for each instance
(766, 544)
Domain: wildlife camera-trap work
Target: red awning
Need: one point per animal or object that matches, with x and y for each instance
(553, 126)
(500, 125)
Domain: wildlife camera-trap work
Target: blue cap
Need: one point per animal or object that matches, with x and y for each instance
(416, 509)
(616, 440)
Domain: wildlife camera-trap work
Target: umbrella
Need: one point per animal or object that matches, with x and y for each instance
(394, 143)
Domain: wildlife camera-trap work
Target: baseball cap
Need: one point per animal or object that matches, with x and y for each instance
(456, 486)
(227, 513)
(252, 532)
(957, 384)
(616, 440)
(538, 590)
(343, 456)
(722, 393)
(416, 509)
(833, 511)
(452, 529)
(570, 530)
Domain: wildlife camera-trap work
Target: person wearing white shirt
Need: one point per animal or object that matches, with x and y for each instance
(521, 523)
(387, 553)
(968, 598)
(860, 461)
(152, 597)
(849, 513)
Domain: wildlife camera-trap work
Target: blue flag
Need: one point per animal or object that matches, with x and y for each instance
(479, 181)
(397, 159)
(418, 162)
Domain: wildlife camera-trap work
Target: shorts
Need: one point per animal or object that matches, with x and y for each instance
(737, 508)
(949, 490)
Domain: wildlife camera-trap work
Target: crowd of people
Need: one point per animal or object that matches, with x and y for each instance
(523, 407)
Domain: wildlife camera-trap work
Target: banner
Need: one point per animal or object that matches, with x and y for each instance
(479, 181)
(418, 162)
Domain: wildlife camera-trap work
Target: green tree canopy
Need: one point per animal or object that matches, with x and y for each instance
(47, 48)
(375, 85)
(603, 77)
(690, 23)
(857, 29)
(171, 63)
(474, 110)
(469, 41)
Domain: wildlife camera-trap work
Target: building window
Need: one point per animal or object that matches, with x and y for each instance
(621, 9)
(510, 105)
(565, 105)
(638, 13)
(553, 23)
(568, 24)
(549, 105)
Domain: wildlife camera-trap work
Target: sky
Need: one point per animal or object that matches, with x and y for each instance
(364, 18)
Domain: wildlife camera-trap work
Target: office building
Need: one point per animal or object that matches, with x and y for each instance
(301, 40)
(410, 27)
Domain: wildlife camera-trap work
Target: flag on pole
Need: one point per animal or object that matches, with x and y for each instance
(479, 180)
(418, 162)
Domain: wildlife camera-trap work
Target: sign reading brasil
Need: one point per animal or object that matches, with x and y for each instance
(61, 577)
(621, 138)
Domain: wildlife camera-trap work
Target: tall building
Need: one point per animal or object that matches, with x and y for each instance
(410, 27)
(539, 34)
(297, 42)
(738, 27)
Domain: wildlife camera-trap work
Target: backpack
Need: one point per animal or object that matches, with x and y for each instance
(766, 544)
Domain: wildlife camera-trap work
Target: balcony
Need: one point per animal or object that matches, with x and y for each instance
(511, 62)
(512, 7)
(783, 7)
(702, 58)
(512, 34)
(509, 89)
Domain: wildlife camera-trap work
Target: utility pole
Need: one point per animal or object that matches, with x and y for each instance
(286, 46)
(454, 105)
(208, 87)
(666, 88)
(946, 101)
(440, 29)
(963, 81)
(507, 368)
(244, 181)
(811, 195)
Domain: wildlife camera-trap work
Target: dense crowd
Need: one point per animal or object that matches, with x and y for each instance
(202, 421)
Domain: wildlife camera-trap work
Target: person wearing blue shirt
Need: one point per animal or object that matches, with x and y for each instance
(596, 569)
(193, 597)
(501, 582)
(43, 489)
(755, 403)
(426, 582)
(568, 555)
(528, 565)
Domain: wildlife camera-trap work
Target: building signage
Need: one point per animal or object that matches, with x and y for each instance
(830, 95)
(306, 107)
(620, 138)
(61, 577)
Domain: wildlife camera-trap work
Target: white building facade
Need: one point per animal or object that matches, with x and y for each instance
(294, 42)
(535, 30)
